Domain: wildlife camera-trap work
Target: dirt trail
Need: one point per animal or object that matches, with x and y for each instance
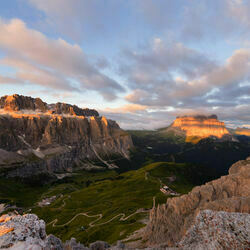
(99, 216)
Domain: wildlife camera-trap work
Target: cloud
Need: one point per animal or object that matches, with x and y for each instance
(79, 19)
(199, 20)
(170, 79)
(184, 20)
(239, 10)
(9, 80)
(127, 108)
(51, 63)
(181, 70)
(237, 116)
(140, 120)
(153, 68)
(174, 75)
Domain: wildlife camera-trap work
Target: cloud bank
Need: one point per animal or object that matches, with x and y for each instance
(51, 63)
(171, 57)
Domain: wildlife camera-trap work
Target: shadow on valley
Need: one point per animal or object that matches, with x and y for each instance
(209, 158)
(110, 205)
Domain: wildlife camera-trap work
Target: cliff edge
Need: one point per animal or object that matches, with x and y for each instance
(231, 193)
(36, 137)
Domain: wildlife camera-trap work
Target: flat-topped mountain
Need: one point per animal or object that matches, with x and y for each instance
(36, 137)
(242, 131)
(195, 128)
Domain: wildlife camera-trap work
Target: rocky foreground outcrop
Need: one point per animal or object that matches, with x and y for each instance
(28, 232)
(36, 137)
(218, 230)
(212, 216)
(195, 128)
(231, 193)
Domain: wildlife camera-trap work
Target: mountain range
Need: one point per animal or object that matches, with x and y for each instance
(86, 177)
(39, 138)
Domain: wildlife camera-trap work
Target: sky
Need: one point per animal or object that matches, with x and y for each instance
(139, 62)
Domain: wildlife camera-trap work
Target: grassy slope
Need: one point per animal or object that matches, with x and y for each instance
(108, 193)
(124, 194)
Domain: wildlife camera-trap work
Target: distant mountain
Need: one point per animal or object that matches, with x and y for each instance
(242, 131)
(201, 140)
(39, 138)
(196, 128)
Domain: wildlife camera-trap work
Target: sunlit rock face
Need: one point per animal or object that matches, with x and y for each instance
(19, 102)
(242, 131)
(200, 127)
(36, 137)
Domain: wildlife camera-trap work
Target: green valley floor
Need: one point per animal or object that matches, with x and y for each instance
(99, 205)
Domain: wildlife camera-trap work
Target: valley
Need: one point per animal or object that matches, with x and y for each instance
(214, 156)
(124, 125)
(90, 180)
(99, 205)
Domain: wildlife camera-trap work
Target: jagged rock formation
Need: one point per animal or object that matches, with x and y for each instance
(19, 232)
(195, 128)
(64, 108)
(22, 232)
(39, 138)
(218, 230)
(169, 222)
(19, 102)
(28, 232)
(16, 102)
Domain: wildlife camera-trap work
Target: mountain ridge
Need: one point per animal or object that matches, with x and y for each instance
(18, 102)
(55, 138)
(169, 222)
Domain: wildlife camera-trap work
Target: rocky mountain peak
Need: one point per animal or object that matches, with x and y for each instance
(37, 137)
(64, 108)
(16, 102)
(200, 126)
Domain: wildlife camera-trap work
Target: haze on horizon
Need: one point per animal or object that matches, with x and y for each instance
(140, 62)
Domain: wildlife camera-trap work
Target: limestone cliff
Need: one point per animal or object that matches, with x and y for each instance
(231, 193)
(39, 138)
(199, 127)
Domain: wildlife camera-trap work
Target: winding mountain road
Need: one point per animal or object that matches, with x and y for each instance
(99, 216)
